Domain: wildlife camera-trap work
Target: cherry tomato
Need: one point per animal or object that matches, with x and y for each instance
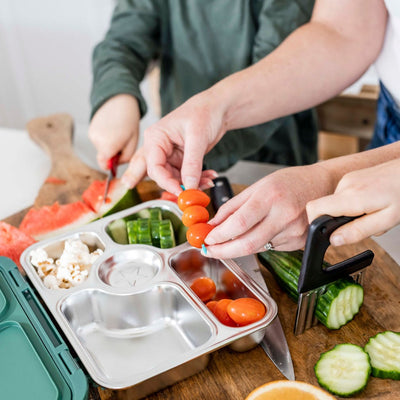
(221, 294)
(169, 196)
(232, 284)
(196, 234)
(245, 310)
(211, 305)
(192, 197)
(204, 287)
(220, 311)
(194, 215)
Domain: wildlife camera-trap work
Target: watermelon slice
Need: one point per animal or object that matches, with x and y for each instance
(118, 197)
(13, 242)
(51, 220)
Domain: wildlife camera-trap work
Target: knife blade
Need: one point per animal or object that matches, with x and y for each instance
(274, 341)
(112, 165)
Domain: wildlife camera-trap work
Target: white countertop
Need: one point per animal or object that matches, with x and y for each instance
(25, 166)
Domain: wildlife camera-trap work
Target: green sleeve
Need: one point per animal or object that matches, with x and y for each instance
(120, 61)
(276, 20)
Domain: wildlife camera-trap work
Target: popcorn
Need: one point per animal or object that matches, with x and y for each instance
(71, 269)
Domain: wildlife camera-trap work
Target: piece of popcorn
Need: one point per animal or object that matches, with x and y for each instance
(51, 282)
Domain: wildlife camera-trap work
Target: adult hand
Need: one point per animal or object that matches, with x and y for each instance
(271, 210)
(114, 128)
(137, 170)
(175, 146)
(372, 191)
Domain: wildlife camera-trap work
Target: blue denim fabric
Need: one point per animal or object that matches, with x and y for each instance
(387, 126)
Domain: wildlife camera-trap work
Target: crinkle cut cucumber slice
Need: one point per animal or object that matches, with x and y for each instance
(340, 303)
(344, 370)
(384, 352)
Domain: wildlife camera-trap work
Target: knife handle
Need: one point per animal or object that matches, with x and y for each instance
(313, 274)
(221, 192)
(112, 164)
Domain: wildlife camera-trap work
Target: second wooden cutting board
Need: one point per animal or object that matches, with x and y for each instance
(68, 176)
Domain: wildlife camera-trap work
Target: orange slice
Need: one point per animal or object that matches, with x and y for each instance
(288, 390)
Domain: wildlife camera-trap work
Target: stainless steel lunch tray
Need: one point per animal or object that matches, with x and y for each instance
(134, 322)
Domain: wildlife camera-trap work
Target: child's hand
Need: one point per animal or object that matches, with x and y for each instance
(114, 128)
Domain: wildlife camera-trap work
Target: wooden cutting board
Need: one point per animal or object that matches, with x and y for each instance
(232, 375)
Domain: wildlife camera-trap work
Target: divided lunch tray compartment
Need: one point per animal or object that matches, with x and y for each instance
(35, 362)
(134, 322)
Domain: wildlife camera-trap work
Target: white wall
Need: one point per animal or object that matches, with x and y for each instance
(45, 58)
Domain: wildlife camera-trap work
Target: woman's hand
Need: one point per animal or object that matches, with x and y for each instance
(114, 128)
(175, 146)
(271, 210)
(374, 192)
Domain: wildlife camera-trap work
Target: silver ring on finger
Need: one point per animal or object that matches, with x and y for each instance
(269, 246)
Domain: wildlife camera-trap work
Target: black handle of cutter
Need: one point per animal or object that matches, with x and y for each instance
(313, 274)
(221, 192)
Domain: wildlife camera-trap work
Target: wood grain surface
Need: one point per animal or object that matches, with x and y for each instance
(68, 176)
(232, 375)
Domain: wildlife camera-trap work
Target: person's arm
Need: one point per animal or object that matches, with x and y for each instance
(274, 208)
(119, 63)
(314, 63)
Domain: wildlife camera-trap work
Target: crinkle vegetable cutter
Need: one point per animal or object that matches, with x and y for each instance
(314, 276)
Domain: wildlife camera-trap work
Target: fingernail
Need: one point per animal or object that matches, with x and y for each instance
(214, 174)
(203, 249)
(208, 185)
(190, 183)
(337, 240)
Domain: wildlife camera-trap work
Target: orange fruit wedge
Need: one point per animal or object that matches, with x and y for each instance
(289, 390)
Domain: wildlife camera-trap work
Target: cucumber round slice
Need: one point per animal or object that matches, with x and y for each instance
(384, 352)
(167, 236)
(155, 232)
(131, 227)
(340, 303)
(344, 370)
(144, 231)
(155, 214)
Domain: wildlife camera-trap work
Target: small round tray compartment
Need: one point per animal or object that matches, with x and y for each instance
(131, 268)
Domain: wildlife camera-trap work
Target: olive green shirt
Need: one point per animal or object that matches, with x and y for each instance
(199, 42)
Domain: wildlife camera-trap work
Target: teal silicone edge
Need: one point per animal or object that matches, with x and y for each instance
(47, 332)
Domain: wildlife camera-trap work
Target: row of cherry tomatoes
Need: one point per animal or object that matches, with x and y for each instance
(240, 312)
(195, 216)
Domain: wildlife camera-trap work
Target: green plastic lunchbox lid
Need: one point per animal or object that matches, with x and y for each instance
(35, 362)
